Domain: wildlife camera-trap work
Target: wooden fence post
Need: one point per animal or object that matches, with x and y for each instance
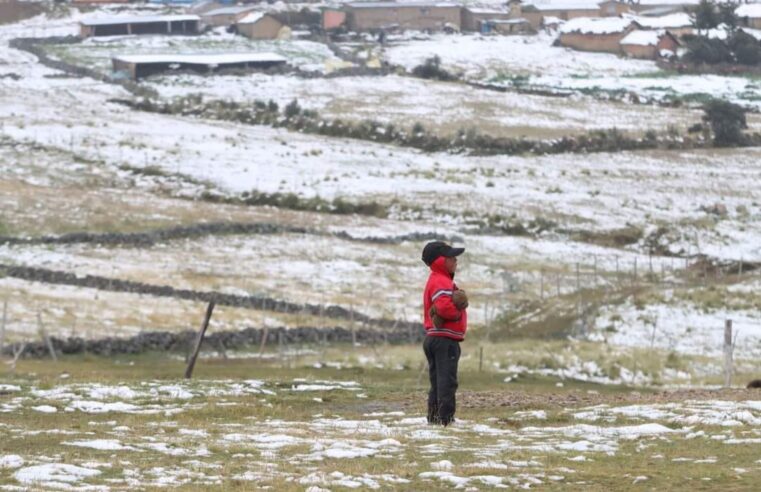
(353, 326)
(17, 351)
(541, 282)
(2, 326)
(578, 278)
(635, 270)
(199, 341)
(263, 342)
(728, 353)
(45, 338)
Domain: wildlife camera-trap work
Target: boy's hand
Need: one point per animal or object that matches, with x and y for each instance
(460, 299)
(438, 321)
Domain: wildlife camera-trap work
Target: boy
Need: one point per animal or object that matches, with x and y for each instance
(445, 321)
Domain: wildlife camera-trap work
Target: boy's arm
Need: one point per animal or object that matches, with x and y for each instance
(445, 307)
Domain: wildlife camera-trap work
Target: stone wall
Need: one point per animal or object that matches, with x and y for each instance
(163, 341)
(245, 302)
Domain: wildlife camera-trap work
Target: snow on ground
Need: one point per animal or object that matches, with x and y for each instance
(484, 57)
(693, 412)
(325, 450)
(440, 106)
(679, 327)
(97, 52)
(532, 61)
(602, 191)
(588, 371)
(297, 268)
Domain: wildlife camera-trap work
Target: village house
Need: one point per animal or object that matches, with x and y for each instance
(423, 16)
(536, 12)
(662, 7)
(508, 26)
(140, 66)
(204, 6)
(614, 8)
(225, 16)
(550, 24)
(649, 45)
(260, 25)
(677, 24)
(476, 19)
(97, 2)
(155, 24)
(333, 19)
(749, 15)
(595, 34)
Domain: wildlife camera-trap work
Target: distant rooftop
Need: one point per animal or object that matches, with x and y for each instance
(380, 5)
(752, 10)
(564, 5)
(642, 38)
(144, 19)
(664, 22)
(229, 10)
(252, 18)
(203, 59)
(596, 25)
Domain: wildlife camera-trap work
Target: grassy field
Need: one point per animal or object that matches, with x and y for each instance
(260, 422)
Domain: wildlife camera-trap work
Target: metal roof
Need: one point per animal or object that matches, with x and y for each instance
(203, 58)
(228, 10)
(104, 21)
(391, 5)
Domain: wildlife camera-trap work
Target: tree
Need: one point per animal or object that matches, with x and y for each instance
(727, 121)
(701, 49)
(746, 48)
(727, 15)
(705, 15)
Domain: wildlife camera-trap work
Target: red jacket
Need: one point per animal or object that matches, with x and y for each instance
(438, 292)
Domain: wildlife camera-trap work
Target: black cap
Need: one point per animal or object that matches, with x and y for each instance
(435, 249)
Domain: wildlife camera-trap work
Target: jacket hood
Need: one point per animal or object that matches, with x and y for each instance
(439, 266)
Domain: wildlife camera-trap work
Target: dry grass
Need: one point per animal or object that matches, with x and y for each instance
(664, 462)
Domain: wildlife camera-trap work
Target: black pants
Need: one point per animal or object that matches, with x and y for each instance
(443, 354)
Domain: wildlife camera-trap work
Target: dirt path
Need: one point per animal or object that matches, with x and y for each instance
(519, 399)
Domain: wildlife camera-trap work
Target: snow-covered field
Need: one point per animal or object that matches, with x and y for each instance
(597, 192)
(66, 148)
(439, 106)
(686, 324)
(532, 61)
(97, 52)
(147, 435)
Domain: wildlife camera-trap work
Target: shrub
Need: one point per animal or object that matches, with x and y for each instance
(727, 122)
(696, 128)
(431, 69)
(292, 109)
